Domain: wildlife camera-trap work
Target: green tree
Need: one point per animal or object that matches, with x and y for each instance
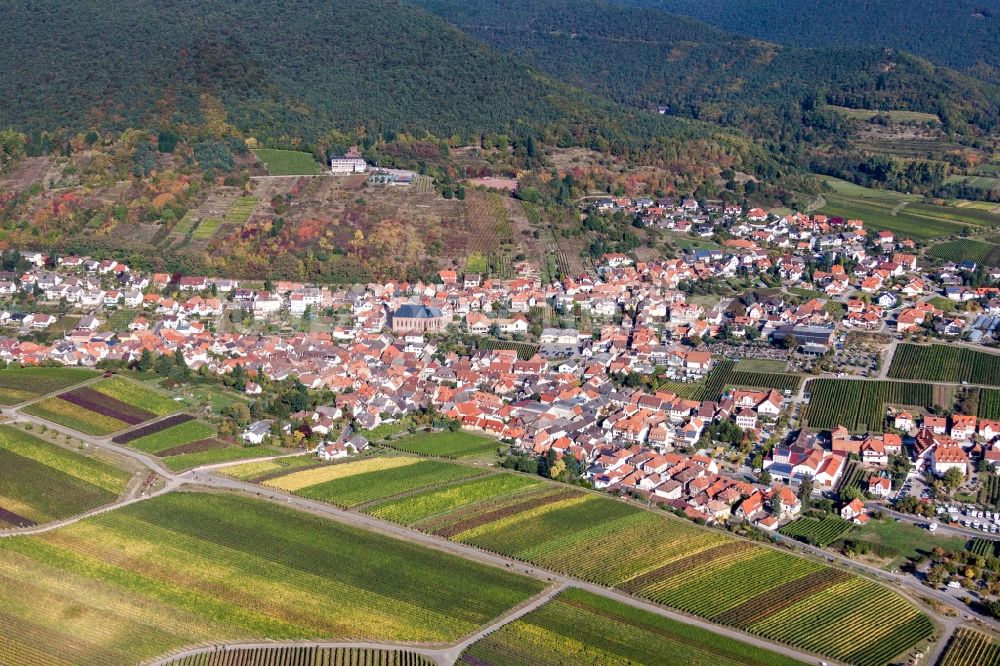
(145, 362)
(805, 491)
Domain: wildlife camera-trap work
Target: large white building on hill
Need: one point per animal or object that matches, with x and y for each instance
(351, 162)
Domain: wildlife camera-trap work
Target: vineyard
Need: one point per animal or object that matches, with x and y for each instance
(965, 249)
(611, 543)
(983, 547)
(352, 484)
(192, 568)
(525, 350)
(989, 404)
(971, 648)
(261, 470)
(578, 627)
(856, 476)
(446, 444)
(490, 231)
(241, 210)
(103, 408)
(725, 374)
(41, 482)
(304, 656)
(860, 405)
(817, 532)
(989, 491)
(943, 363)
(21, 384)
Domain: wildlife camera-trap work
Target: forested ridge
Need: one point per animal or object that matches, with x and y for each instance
(643, 56)
(958, 33)
(281, 72)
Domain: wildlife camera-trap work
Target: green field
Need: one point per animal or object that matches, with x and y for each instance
(898, 116)
(860, 405)
(908, 541)
(525, 350)
(186, 223)
(191, 568)
(219, 454)
(300, 655)
(258, 471)
(288, 162)
(41, 482)
(761, 365)
(944, 363)
(21, 384)
(981, 182)
(447, 444)
(728, 374)
(578, 627)
(120, 319)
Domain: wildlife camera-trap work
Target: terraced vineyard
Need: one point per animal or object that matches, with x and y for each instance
(971, 648)
(305, 656)
(241, 210)
(578, 627)
(42, 482)
(818, 532)
(22, 384)
(609, 542)
(191, 568)
(944, 363)
(860, 405)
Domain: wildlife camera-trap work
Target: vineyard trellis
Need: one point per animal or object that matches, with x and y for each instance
(859, 405)
(943, 363)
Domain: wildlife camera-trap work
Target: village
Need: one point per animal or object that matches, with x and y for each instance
(645, 399)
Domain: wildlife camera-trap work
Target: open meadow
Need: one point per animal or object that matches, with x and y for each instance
(41, 482)
(288, 162)
(190, 568)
